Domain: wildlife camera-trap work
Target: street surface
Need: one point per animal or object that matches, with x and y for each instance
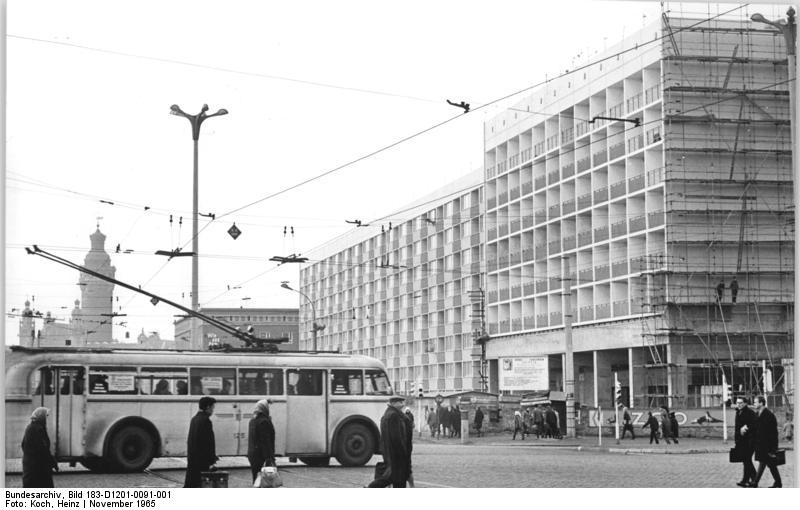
(488, 462)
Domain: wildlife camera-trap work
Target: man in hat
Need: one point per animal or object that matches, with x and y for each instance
(200, 448)
(396, 446)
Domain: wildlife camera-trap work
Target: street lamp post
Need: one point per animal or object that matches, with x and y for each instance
(314, 326)
(789, 31)
(196, 121)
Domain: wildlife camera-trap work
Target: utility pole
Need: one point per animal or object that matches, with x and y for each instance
(569, 365)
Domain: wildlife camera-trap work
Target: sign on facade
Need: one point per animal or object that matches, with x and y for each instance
(524, 374)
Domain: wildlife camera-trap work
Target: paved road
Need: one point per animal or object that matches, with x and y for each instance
(486, 464)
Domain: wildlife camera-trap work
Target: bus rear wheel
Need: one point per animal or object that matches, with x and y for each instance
(355, 445)
(131, 449)
(315, 461)
(94, 464)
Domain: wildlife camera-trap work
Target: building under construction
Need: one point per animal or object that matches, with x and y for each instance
(657, 181)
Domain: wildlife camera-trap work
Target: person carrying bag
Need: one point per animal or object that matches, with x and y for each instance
(261, 443)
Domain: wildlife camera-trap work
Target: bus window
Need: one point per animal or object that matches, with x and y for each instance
(304, 382)
(78, 381)
(378, 383)
(258, 381)
(212, 381)
(163, 381)
(347, 382)
(112, 381)
(36, 382)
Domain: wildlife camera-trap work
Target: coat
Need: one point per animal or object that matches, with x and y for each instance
(651, 422)
(538, 417)
(478, 419)
(744, 442)
(260, 440)
(37, 461)
(766, 436)
(433, 419)
(200, 448)
(551, 419)
(666, 425)
(396, 446)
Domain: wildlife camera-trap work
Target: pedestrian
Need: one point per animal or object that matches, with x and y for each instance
(456, 420)
(744, 438)
(720, 290)
(788, 428)
(766, 443)
(551, 420)
(433, 422)
(673, 421)
(518, 426)
(396, 446)
(38, 463)
(666, 425)
(627, 424)
(478, 420)
(538, 421)
(444, 421)
(260, 439)
(526, 421)
(200, 447)
(653, 424)
(734, 289)
(409, 416)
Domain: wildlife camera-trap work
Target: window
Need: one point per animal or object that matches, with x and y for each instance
(304, 381)
(257, 381)
(378, 383)
(112, 380)
(347, 382)
(212, 381)
(163, 381)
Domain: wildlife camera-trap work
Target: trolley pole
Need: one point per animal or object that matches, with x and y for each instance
(569, 365)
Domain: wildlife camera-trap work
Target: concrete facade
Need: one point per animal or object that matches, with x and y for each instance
(266, 323)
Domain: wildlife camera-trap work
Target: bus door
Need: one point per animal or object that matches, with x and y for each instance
(63, 393)
(306, 411)
(219, 383)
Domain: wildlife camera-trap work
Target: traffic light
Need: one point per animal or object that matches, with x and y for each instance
(419, 391)
(727, 390)
(617, 392)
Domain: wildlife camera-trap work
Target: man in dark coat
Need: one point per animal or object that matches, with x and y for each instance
(260, 439)
(666, 426)
(444, 420)
(627, 424)
(653, 424)
(551, 420)
(396, 446)
(538, 421)
(478, 420)
(743, 437)
(200, 448)
(38, 463)
(766, 442)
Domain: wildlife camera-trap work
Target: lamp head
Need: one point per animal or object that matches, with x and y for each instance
(222, 111)
(176, 110)
(285, 285)
(204, 108)
(758, 18)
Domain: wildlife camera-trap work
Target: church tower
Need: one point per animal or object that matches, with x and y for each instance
(97, 295)
(27, 330)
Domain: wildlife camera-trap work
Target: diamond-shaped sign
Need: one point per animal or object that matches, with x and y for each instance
(154, 301)
(234, 232)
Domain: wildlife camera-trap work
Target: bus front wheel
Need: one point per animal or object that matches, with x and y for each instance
(131, 449)
(355, 445)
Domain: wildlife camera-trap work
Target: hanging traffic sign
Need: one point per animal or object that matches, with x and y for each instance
(234, 232)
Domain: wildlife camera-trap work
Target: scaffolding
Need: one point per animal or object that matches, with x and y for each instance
(728, 213)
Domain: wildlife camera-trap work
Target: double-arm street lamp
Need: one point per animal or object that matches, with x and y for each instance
(314, 326)
(788, 29)
(196, 121)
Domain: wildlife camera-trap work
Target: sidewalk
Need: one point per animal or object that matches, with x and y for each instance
(641, 444)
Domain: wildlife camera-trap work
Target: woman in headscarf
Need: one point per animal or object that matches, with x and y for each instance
(260, 439)
(38, 463)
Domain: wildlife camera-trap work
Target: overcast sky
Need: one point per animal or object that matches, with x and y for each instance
(310, 86)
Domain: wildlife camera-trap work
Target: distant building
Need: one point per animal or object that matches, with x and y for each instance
(274, 323)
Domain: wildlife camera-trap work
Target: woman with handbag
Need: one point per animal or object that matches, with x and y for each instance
(260, 439)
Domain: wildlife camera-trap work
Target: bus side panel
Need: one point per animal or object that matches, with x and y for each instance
(18, 415)
(172, 421)
(277, 412)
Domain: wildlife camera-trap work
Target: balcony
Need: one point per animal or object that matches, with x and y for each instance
(555, 318)
(586, 313)
(515, 225)
(619, 268)
(538, 149)
(491, 233)
(505, 326)
(491, 296)
(528, 289)
(541, 286)
(600, 194)
(455, 246)
(568, 171)
(513, 161)
(501, 167)
(617, 189)
(568, 206)
(616, 110)
(601, 272)
(503, 294)
(616, 150)
(567, 135)
(584, 238)
(539, 216)
(655, 219)
(513, 193)
(600, 234)
(527, 188)
(602, 311)
(619, 228)
(634, 103)
(652, 94)
(653, 135)
(584, 201)
(554, 247)
(491, 203)
(635, 143)
(490, 172)
(637, 223)
(527, 221)
(554, 211)
(655, 176)
(542, 320)
(491, 265)
(516, 291)
(620, 308)
(514, 258)
(581, 128)
(502, 230)
(600, 157)
(555, 282)
(540, 251)
(552, 177)
(527, 254)
(636, 183)
(584, 276)
(569, 243)
(584, 164)
(526, 155)
(502, 198)
(552, 142)
(516, 324)
(540, 182)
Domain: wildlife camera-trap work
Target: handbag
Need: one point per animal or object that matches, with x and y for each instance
(779, 457)
(268, 478)
(733, 456)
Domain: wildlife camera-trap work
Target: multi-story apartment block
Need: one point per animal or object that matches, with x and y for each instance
(652, 175)
(398, 290)
(646, 183)
(269, 323)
